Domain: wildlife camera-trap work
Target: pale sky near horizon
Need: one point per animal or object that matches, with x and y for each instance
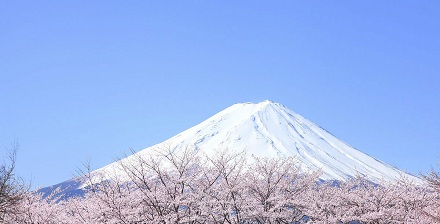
(93, 79)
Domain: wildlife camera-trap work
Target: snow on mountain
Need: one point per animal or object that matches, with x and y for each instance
(270, 129)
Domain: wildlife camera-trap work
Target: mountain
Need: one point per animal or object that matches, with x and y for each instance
(270, 129)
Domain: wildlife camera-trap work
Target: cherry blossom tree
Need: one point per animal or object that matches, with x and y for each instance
(366, 202)
(12, 188)
(276, 189)
(34, 208)
(433, 179)
(222, 188)
(227, 187)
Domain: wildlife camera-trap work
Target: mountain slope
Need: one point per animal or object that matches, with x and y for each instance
(270, 129)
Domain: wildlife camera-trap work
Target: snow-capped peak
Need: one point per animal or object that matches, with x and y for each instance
(269, 129)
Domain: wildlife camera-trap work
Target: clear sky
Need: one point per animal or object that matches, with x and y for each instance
(93, 79)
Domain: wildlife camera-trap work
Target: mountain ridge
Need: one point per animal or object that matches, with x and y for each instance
(270, 129)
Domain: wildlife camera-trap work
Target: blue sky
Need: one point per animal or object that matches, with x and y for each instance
(93, 79)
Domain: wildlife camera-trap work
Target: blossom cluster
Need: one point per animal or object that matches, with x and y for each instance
(228, 188)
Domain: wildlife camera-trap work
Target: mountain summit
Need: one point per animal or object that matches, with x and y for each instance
(269, 129)
(265, 129)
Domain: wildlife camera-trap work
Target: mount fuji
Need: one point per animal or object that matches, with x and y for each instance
(269, 129)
